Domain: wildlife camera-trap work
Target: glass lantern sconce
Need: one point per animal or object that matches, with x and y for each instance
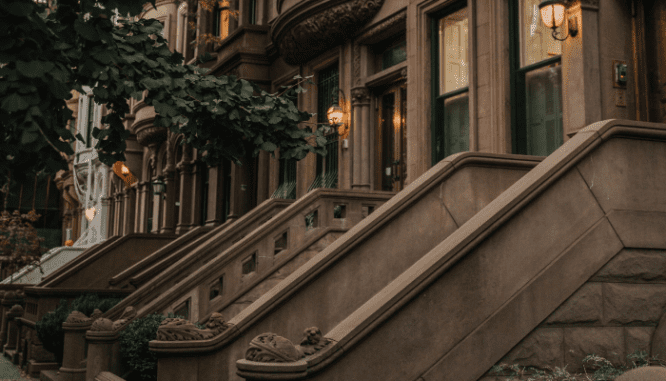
(159, 187)
(337, 116)
(121, 170)
(553, 13)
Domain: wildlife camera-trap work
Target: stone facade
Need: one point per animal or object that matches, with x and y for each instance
(612, 315)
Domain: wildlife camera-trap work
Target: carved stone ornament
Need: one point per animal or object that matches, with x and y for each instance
(176, 329)
(77, 317)
(128, 314)
(360, 95)
(16, 310)
(102, 324)
(396, 21)
(322, 30)
(96, 314)
(151, 135)
(269, 347)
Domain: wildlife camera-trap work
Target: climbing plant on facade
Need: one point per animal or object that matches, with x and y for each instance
(48, 51)
(19, 243)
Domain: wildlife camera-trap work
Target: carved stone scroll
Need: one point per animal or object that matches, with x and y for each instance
(102, 324)
(269, 347)
(177, 329)
(330, 27)
(128, 314)
(77, 317)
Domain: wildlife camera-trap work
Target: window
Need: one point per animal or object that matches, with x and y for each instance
(536, 82)
(394, 54)
(327, 95)
(450, 126)
(287, 180)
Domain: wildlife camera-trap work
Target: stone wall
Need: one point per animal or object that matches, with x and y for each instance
(613, 315)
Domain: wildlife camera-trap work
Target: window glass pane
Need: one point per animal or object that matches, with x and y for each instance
(544, 109)
(456, 119)
(394, 55)
(453, 57)
(537, 43)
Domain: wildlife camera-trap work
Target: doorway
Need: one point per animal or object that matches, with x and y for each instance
(391, 168)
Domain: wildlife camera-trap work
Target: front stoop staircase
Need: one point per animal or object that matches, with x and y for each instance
(566, 262)
(339, 246)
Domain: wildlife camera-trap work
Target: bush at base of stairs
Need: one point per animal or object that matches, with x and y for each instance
(49, 327)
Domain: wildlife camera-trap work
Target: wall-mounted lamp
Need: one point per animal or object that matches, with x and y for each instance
(90, 213)
(159, 187)
(553, 14)
(337, 115)
(121, 170)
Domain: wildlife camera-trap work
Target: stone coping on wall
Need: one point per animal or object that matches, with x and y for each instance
(338, 249)
(82, 261)
(159, 255)
(86, 254)
(158, 275)
(395, 296)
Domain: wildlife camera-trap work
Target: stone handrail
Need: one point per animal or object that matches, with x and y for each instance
(157, 279)
(589, 196)
(350, 270)
(166, 253)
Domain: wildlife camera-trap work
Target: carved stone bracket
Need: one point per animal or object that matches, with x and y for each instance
(151, 135)
(269, 347)
(303, 34)
(360, 96)
(176, 329)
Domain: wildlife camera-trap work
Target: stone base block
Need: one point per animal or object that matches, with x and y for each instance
(34, 367)
(48, 375)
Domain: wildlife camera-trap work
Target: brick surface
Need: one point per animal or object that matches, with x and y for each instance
(542, 348)
(635, 264)
(626, 303)
(584, 306)
(607, 342)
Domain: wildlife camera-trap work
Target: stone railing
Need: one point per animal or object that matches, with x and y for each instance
(281, 244)
(348, 272)
(567, 262)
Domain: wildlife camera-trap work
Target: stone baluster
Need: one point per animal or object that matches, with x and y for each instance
(74, 349)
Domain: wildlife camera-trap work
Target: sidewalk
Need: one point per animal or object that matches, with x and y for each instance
(9, 371)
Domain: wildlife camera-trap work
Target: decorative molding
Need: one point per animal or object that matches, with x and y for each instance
(77, 317)
(382, 30)
(357, 64)
(302, 36)
(102, 324)
(151, 135)
(269, 347)
(16, 310)
(360, 95)
(128, 314)
(176, 329)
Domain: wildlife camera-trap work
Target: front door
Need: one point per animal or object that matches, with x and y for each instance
(391, 152)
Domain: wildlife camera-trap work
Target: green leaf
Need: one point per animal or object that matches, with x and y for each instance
(86, 30)
(19, 8)
(28, 137)
(247, 90)
(268, 146)
(13, 103)
(34, 69)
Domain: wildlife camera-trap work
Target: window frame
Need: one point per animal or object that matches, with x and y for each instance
(328, 164)
(437, 114)
(518, 93)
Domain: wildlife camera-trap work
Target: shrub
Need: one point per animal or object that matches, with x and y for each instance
(49, 327)
(596, 368)
(134, 345)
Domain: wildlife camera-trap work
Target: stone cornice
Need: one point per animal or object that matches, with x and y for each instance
(307, 29)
